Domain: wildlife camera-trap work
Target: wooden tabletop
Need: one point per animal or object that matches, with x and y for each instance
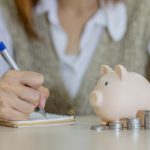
(73, 137)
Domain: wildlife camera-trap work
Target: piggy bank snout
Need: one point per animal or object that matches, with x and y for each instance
(96, 98)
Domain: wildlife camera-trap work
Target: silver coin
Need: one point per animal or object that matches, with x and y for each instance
(98, 127)
(147, 116)
(115, 126)
(146, 125)
(134, 123)
(147, 113)
(147, 119)
(134, 120)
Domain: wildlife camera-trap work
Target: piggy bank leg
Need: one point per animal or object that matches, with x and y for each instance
(104, 123)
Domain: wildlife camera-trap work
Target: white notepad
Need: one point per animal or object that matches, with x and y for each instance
(36, 119)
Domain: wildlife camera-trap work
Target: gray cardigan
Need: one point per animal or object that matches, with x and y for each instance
(40, 56)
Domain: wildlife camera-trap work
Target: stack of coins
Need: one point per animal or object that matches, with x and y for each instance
(147, 119)
(134, 123)
(98, 127)
(115, 126)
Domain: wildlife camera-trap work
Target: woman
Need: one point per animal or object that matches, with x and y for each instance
(68, 40)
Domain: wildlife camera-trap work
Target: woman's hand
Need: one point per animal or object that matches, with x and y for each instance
(20, 93)
(44, 95)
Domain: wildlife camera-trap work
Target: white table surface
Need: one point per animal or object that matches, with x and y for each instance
(73, 137)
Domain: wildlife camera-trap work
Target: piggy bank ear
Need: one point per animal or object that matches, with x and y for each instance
(105, 69)
(121, 72)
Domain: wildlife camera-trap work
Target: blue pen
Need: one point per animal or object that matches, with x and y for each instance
(14, 66)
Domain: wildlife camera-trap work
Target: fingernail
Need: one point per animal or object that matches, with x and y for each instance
(42, 103)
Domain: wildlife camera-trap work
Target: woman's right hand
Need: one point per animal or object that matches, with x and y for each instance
(20, 94)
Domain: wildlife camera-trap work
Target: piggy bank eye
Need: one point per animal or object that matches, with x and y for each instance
(106, 83)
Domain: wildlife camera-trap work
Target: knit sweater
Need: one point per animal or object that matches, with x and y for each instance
(40, 55)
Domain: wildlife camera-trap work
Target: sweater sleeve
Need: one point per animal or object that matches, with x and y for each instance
(6, 38)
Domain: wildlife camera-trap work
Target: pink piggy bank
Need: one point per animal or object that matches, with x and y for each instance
(120, 94)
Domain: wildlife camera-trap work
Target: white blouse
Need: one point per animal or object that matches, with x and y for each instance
(73, 67)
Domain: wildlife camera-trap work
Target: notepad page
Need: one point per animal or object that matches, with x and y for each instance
(36, 119)
(39, 116)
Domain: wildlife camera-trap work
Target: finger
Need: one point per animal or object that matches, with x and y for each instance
(42, 103)
(28, 78)
(28, 94)
(31, 79)
(16, 115)
(22, 106)
(44, 95)
(44, 92)
(9, 99)
(7, 113)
